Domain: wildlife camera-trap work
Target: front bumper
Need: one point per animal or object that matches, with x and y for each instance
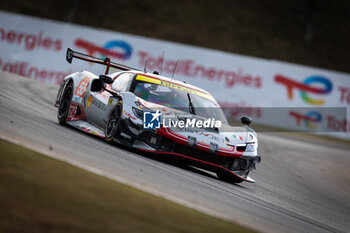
(147, 140)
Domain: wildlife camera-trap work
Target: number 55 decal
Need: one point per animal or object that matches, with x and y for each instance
(81, 89)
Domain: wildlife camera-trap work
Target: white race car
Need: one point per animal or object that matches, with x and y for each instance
(157, 114)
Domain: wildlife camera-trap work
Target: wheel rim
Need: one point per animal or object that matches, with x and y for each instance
(65, 102)
(112, 125)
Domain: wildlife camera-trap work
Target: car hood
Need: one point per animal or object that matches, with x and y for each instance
(225, 138)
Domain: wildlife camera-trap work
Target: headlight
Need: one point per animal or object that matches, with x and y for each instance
(250, 147)
(138, 113)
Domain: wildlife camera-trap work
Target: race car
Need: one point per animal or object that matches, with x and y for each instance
(157, 114)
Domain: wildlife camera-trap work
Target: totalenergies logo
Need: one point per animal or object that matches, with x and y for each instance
(121, 49)
(305, 87)
(309, 119)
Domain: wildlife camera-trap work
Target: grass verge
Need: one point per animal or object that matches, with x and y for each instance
(41, 194)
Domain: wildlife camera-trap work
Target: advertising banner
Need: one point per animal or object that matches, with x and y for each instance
(271, 92)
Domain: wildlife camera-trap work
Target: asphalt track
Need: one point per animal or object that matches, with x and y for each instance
(301, 186)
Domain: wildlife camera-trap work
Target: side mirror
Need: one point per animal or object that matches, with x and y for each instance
(106, 79)
(246, 120)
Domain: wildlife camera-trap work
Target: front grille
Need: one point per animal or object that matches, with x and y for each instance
(241, 148)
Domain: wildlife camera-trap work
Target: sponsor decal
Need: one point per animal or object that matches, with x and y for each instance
(305, 87)
(77, 99)
(99, 104)
(309, 119)
(237, 137)
(105, 95)
(88, 104)
(212, 136)
(94, 132)
(71, 112)
(175, 86)
(128, 115)
(110, 102)
(114, 48)
(82, 87)
(124, 135)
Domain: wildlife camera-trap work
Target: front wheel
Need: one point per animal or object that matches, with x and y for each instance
(113, 125)
(64, 104)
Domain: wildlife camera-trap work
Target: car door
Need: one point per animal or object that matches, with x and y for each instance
(96, 107)
(98, 104)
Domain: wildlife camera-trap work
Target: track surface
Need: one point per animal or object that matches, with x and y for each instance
(300, 186)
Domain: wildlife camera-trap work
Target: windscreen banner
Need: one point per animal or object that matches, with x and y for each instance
(273, 93)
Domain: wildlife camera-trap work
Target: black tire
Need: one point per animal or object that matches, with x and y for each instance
(64, 103)
(227, 177)
(113, 125)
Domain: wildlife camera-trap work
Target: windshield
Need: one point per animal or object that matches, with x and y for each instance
(175, 96)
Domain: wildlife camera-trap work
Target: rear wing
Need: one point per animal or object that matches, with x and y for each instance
(107, 61)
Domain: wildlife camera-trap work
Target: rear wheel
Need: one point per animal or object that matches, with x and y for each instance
(64, 104)
(113, 125)
(225, 176)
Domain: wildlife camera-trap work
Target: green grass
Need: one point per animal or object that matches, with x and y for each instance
(265, 28)
(41, 194)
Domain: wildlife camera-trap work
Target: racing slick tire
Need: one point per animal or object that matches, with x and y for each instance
(64, 103)
(113, 125)
(230, 178)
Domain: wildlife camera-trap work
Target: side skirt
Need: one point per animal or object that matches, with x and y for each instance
(87, 127)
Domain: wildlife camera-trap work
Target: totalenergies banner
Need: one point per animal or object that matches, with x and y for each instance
(272, 92)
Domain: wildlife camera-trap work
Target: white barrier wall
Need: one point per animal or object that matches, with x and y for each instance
(36, 48)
